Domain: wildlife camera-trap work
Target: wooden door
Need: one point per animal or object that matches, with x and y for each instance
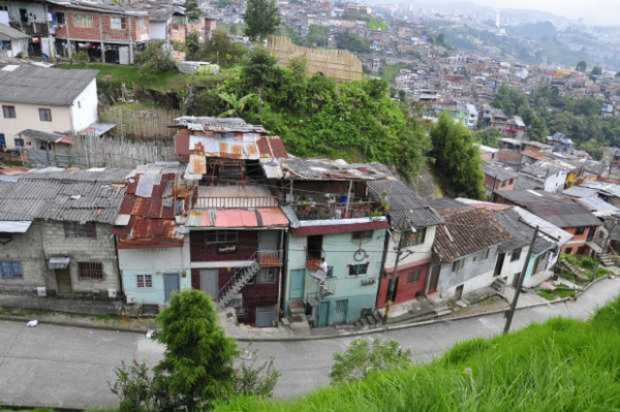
(297, 284)
(209, 282)
(63, 281)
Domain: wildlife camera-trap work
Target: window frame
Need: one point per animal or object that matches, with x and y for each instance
(363, 266)
(120, 23)
(144, 281)
(272, 271)
(11, 109)
(95, 270)
(226, 237)
(12, 273)
(81, 18)
(414, 279)
(516, 252)
(458, 265)
(43, 114)
(414, 238)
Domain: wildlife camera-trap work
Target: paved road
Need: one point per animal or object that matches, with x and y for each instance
(71, 367)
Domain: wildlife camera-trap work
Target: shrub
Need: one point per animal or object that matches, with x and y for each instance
(155, 58)
(81, 57)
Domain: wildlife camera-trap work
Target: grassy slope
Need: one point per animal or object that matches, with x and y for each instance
(562, 365)
(133, 75)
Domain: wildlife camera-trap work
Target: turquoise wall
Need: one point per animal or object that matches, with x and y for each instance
(155, 294)
(339, 251)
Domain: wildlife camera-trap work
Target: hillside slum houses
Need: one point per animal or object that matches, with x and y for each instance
(104, 30)
(274, 238)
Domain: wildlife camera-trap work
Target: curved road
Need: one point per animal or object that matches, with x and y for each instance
(71, 367)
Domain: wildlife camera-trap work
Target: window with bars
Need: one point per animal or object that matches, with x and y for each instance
(11, 269)
(83, 20)
(267, 276)
(360, 269)
(144, 281)
(363, 235)
(414, 276)
(74, 229)
(414, 238)
(90, 270)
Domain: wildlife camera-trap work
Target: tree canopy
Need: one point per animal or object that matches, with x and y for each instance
(582, 66)
(192, 11)
(261, 18)
(457, 158)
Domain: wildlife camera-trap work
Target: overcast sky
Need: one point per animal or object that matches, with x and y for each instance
(605, 12)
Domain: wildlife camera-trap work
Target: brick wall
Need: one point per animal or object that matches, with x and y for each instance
(134, 26)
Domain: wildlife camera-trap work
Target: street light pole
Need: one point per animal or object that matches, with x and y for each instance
(513, 306)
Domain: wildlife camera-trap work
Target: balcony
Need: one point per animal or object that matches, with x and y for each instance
(310, 210)
(269, 258)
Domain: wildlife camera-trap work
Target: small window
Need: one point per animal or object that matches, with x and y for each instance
(144, 281)
(222, 236)
(516, 255)
(60, 18)
(118, 23)
(414, 238)
(8, 112)
(363, 235)
(19, 142)
(77, 230)
(45, 115)
(267, 276)
(414, 276)
(360, 269)
(568, 251)
(6, 45)
(90, 270)
(457, 265)
(82, 20)
(580, 230)
(11, 269)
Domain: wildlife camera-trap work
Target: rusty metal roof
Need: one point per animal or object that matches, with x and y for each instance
(327, 169)
(237, 218)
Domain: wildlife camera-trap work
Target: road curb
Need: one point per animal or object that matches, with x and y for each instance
(331, 336)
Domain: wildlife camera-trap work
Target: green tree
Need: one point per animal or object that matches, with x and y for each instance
(155, 58)
(350, 41)
(192, 11)
(457, 159)
(317, 36)
(363, 357)
(597, 71)
(192, 45)
(582, 66)
(488, 137)
(197, 368)
(223, 51)
(594, 148)
(261, 18)
(237, 106)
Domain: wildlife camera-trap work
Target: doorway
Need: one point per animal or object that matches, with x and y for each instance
(63, 281)
(323, 316)
(315, 247)
(209, 282)
(434, 279)
(459, 292)
(171, 285)
(392, 289)
(340, 314)
(500, 264)
(297, 284)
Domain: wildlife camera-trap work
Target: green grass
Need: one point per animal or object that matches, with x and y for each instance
(133, 75)
(556, 293)
(562, 365)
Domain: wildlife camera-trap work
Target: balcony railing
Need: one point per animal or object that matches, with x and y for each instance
(324, 211)
(233, 202)
(269, 258)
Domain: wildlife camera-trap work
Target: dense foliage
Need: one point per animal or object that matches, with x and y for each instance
(562, 365)
(261, 18)
(489, 136)
(316, 116)
(545, 112)
(350, 41)
(198, 365)
(457, 158)
(155, 58)
(220, 49)
(363, 357)
(192, 11)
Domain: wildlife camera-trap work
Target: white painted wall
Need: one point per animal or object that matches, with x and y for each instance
(27, 117)
(555, 182)
(420, 253)
(84, 107)
(511, 268)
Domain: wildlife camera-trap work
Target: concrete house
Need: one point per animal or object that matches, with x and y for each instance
(543, 174)
(563, 212)
(413, 223)
(153, 251)
(336, 241)
(30, 17)
(467, 251)
(48, 100)
(236, 226)
(56, 233)
(13, 43)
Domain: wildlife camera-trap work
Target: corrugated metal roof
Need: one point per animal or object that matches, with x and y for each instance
(48, 86)
(237, 218)
(18, 226)
(327, 169)
(12, 33)
(61, 196)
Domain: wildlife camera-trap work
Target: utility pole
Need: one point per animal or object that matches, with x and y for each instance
(399, 250)
(513, 305)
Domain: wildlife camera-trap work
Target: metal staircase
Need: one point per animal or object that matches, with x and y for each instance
(237, 282)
